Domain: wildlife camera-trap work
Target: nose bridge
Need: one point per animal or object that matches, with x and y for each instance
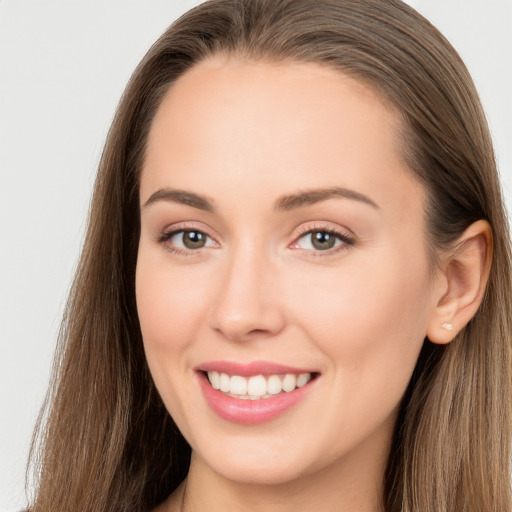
(247, 303)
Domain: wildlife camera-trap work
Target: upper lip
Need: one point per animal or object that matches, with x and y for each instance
(249, 369)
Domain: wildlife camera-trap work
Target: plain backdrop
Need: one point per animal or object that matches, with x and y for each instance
(63, 67)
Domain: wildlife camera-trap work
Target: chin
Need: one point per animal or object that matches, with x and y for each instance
(259, 472)
(259, 460)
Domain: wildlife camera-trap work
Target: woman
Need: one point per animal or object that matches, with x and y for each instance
(294, 287)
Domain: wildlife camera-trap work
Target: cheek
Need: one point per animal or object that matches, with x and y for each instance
(363, 302)
(370, 320)
(168, 304)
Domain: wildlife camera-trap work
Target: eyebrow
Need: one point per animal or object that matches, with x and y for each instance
(309, 197)
(284, 203)
(181, 197)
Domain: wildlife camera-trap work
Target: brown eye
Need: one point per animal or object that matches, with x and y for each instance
(189, 239)
(322, 240)
(193, 239)
(318, 240)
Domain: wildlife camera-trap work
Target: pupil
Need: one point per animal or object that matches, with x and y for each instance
(322, 240)
(193, 239)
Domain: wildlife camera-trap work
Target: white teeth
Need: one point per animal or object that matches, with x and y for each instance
(224, 382)
(289, 382)
(257, 386)
(214, 379)
(274, 385)
(303, 379)
(238, 385)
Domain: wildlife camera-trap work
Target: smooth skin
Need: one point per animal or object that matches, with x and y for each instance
(230, 271)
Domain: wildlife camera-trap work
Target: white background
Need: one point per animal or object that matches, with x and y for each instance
(63, 67)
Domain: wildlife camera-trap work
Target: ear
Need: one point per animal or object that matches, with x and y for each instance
(461, 282)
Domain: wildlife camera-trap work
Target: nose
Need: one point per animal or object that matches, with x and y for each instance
(247, 305)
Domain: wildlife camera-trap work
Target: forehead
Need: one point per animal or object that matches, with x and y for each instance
(239, 124)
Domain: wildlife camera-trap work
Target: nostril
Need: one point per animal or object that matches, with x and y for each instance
(257, 331)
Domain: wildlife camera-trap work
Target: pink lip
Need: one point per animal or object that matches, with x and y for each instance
(250, 412)
(249, 369)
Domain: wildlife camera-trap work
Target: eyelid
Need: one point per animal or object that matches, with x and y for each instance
(164, 236)
(345, 235)
(324, 226)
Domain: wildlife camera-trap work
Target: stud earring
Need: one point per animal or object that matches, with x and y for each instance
(447, 326)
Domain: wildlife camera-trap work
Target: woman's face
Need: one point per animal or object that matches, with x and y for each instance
(282, 247)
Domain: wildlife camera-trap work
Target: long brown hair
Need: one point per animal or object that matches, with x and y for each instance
(105, 440)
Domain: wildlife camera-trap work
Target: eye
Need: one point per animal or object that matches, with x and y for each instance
(322, 240)
(186, 240)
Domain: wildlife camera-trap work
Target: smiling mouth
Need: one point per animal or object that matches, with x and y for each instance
(257, 387)
(253, 393)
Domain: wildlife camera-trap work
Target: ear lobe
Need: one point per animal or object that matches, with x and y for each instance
(464, 274)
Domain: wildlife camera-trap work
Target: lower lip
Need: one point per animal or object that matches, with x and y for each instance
(250, 412)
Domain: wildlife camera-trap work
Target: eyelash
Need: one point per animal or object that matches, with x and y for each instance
(346, 240)
(167, 235)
